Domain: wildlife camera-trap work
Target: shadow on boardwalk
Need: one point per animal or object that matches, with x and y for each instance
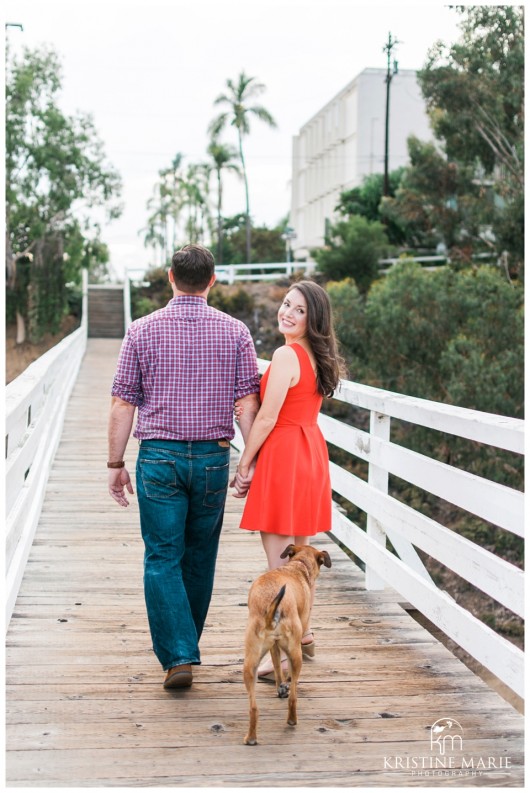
(85, 703)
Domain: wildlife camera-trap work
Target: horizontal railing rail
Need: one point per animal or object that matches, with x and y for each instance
(410, 531)
(432, 262)
(35, 406)
(230, 273)
(269, 271)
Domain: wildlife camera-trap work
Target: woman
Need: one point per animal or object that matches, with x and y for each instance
(289, 499)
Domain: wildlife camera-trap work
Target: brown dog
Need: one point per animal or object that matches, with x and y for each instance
(279, 604)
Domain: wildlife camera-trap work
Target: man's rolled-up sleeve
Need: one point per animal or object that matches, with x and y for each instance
(247, 374)
(127, 383)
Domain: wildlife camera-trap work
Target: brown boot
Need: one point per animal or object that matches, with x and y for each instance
(179, 677)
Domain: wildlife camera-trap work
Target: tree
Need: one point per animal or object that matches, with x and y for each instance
(348, 318)
(157, 232)
(56, 175)
(237, 98)
(178, 208)
(165, 207)
(439, 200)
(475, 95)
(223, 159)
(449, 336)
(195, 191)
(267, 243)
(366, 199)
(475, 88)
(95, 257)
(352, 249)
(171, 198)
(153, 294)
(431, 333)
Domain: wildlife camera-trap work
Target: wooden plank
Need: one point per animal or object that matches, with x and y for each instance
(177, 762)
(157, 733)
(84, 701)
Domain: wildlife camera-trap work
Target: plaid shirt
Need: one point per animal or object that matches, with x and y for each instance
(184, 366)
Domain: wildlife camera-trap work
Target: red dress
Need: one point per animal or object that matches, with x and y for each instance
(290, 492)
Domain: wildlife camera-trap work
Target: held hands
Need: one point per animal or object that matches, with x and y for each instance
(119, 479)
(241, 481)
(243, 477)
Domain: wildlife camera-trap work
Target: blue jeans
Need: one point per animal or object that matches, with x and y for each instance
(181, 489)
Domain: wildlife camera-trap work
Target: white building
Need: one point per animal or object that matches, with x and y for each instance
(345, 141)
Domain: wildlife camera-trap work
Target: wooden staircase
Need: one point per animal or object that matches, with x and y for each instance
(106, 315)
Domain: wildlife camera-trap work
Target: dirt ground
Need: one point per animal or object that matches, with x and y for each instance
(19, 356)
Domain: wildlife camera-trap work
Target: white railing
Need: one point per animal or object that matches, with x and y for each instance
(271, 271)
(35, 407)
(230, 273)
(408, 529)
(428, 262)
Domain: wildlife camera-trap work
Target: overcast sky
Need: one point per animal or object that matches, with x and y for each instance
(149, 70)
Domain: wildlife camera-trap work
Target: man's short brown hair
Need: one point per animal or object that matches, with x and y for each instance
(192, 267)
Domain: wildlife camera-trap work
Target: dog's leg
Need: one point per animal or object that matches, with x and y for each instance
(295, 665)
(282, 686)
(250, 670)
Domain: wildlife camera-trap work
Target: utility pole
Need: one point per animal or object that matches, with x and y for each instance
(390, 72)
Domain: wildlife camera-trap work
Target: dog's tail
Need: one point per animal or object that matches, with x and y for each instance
(272, 617)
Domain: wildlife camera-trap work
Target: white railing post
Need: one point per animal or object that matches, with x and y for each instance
(84, 302)
(378, 479)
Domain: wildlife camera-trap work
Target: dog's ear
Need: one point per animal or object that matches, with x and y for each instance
(289, 551)
(323, 559)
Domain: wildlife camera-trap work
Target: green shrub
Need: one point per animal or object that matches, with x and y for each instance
(353, 249)
(141, 306)
(236, 303)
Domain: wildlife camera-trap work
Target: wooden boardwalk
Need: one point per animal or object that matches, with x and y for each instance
(85, 705)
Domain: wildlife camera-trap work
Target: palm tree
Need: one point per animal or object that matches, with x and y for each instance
(196, 193)
(154, 237)
(239, 113)
(223, 157)
(171, 187)
(157, 233)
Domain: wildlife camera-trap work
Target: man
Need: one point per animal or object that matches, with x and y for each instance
(183, 367)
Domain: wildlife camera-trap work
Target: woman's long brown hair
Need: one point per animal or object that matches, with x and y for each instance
(321, 336)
